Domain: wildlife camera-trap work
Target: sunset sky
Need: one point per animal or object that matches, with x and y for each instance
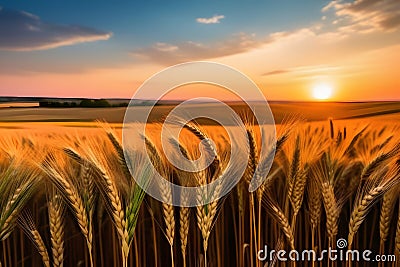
(107, 49)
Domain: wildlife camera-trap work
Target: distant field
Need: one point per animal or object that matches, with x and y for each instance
(309, 111)
(19, 104)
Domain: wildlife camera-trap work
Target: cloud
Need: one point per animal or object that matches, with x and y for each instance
(275, 72)
(213, 20)
(188, 51)
(22, 31)
(164, 47)
(305, 71)
(310, 45)
(366, 15)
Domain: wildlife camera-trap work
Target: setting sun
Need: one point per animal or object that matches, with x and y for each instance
(322, 91)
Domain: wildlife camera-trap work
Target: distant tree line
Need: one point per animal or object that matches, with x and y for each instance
(86, 103)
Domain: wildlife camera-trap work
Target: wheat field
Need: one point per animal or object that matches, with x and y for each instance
(68, 198)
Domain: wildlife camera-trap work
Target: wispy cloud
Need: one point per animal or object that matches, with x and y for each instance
(22, 31)
(309, 45)
(187, 51)
(366, 15)
(213, 20)
(275, 72)
(164, 47)
(305, 71)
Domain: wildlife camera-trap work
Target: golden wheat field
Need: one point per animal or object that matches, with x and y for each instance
(68, 198)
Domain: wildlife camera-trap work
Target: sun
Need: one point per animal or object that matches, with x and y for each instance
(322, 91)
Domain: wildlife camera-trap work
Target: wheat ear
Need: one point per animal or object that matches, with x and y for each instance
(388, 204)
(250, 173)
(166, 194)
(369, 195)
(55, 168)
(297, 180)
(206, 213)
(283, 222)
(209, 146)
(116, 209)
(397, 240)
(168, 214)
(332, 209)
(314, 203)
(56, 222)
(15, 193)
(31, 231)
(184, 214)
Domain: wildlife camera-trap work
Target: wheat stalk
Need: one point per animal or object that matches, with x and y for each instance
(283, 222)
(57, 171)
(120, 151)
(253, 153)
(109, 190)
(17, 185)
(314, 203)
(116, 210)
(166, 194)
(294, 169)
(314, 209)
(332, 209)
(37, 239)
(202, 136)
(378, 184)
(184, 214)
(184, 211)
(397, 239)
(168, 214)
(109, 175)
(31, 231)
(56, 224)
(325, 174)
(378, 161)
(250, 173)
(206, 213)
(296, 194)
(207, 142)
(389, 201)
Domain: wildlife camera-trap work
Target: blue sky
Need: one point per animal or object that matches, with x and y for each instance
(140, 22)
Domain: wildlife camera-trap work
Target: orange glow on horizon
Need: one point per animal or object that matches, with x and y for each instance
(369, 76)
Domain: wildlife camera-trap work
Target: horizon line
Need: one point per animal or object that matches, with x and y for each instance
(230, 101)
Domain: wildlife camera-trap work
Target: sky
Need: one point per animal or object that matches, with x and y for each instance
(107, 49)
